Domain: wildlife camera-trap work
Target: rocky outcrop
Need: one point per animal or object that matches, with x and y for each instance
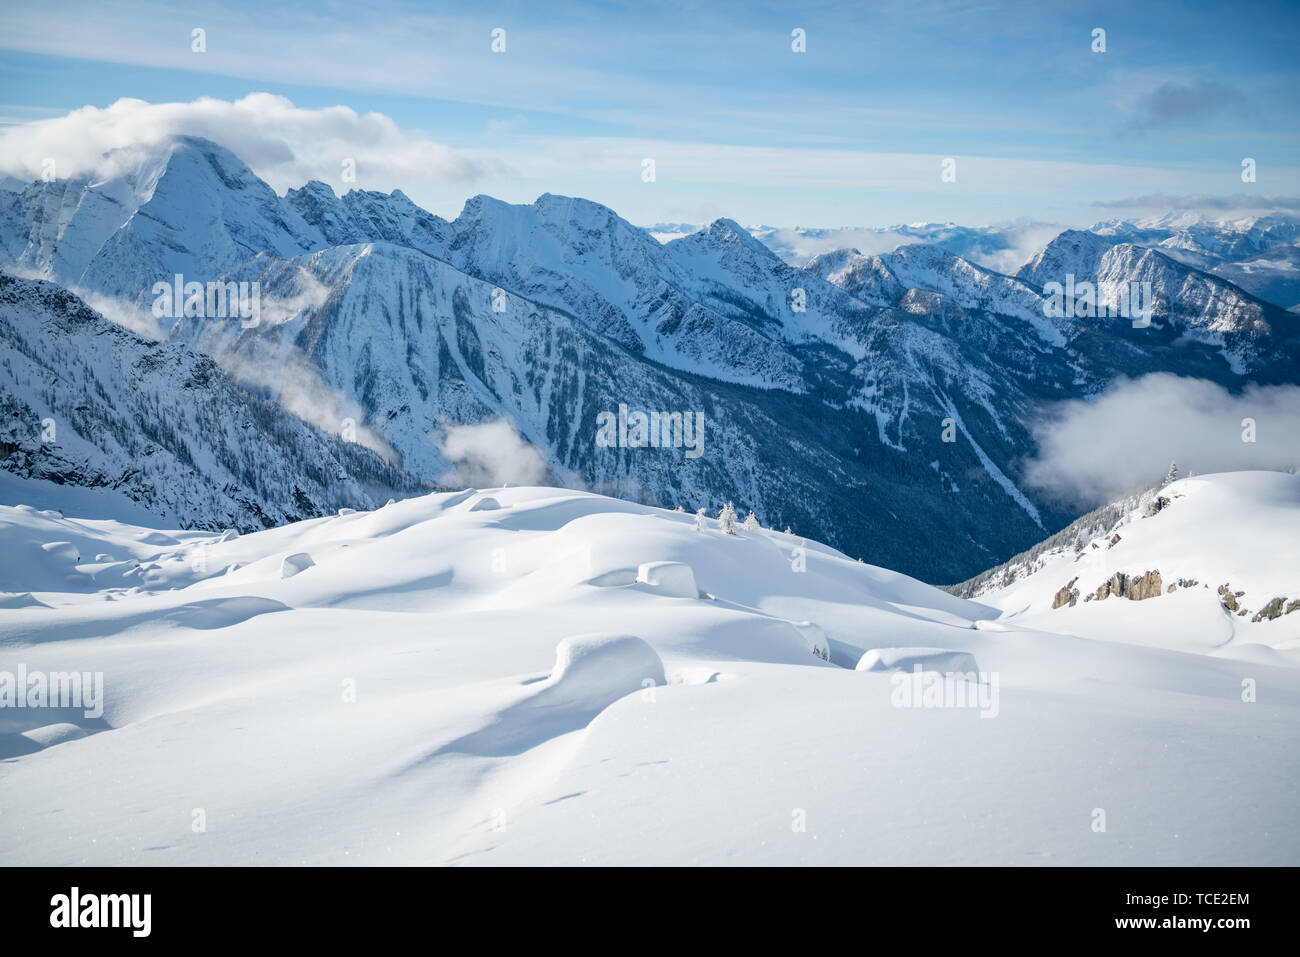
(1270, 611)
(1068, 595)
(1132, 587)
(1276, 609)
(1230, 598)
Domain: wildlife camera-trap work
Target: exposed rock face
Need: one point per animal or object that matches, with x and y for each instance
(1068, 595)
(1276, 609)
(1114, 540)
(1230, 598)
(1132, 587)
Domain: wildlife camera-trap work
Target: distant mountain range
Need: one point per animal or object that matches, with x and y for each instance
(878, 402)
(1259, 253)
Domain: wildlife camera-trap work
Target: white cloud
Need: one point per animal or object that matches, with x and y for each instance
(1001, 248)
(490, 454)
(1090, 451)
(284, 144)
(126, 314)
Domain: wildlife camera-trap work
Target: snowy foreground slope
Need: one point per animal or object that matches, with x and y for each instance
(1208, 564)
(411, 685)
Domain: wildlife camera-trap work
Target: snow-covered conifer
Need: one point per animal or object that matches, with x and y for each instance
(727, 519)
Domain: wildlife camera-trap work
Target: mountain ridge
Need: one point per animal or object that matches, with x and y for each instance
(911, 389)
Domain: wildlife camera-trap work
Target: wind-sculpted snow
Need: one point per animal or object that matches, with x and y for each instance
(451, 685)
(924, 659)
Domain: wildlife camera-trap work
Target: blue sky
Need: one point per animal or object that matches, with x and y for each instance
(851, 132)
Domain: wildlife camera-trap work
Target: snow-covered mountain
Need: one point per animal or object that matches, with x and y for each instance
(929, 280)
(1212, 561)
(158, 427)
(541, 676)
(1002, 248)
(1259, 253)
(1255, 337)
(904, 380)
(185, 205)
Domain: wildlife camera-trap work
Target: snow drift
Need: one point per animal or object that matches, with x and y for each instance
(451, 685)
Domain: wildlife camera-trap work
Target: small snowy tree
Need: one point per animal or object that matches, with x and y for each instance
(1171, 475)
(751, 522)
(787, 530)
(679, 509)
(700, 519)
(727, 519)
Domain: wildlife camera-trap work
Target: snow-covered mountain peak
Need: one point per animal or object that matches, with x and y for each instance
(1252, 335)
(574, 209)
(316, 190)
(1258, 252)
(182, 205)
(833, 265)
(726, 232)
(1071, 243)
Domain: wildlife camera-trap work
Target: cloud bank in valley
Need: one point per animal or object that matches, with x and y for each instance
(1090, 451)
(284, 144)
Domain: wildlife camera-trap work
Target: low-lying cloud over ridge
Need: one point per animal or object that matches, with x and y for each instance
(1091, 451)
(284, 144)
